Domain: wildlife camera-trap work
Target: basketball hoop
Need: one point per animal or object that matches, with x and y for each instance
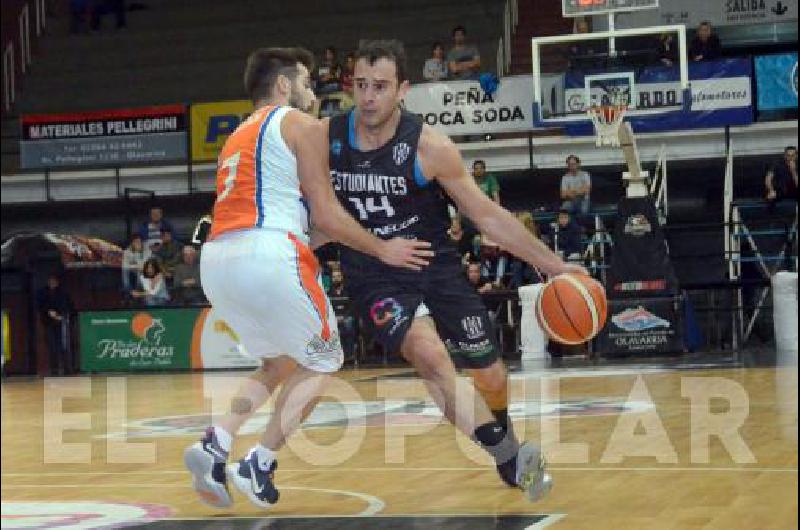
(606, 120)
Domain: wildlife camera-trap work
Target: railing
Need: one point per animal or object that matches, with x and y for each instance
(18, 64)
(659, 185)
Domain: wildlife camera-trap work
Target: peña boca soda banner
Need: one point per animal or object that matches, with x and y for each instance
(212, 123)
(643, 326)
(103, 138)
(159, 339)
(776, 81)
(721, 95)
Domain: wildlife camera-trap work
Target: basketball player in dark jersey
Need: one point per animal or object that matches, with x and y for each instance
(396, 176)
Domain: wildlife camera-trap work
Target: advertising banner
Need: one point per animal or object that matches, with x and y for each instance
(219, 345)
(463, 107)
(776, 81)
(140, 340)
(717, 12)
(212, 123)
(643, 326)
(6, 338)
(103, 138)
(721, 95)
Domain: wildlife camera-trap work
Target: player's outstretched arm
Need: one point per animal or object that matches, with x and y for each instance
(307, 139)
(441, 160)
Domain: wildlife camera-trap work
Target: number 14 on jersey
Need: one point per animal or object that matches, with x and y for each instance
(370, 206)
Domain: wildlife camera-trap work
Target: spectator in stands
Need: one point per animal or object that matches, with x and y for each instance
(347, 74)
(463, 60)
(486, 181)
(344, 314)
(152, 289)
(329, 73)
(186, 285)
(576, 187)
(463, 240)
(568, 237)
(581, 53)
(151, 229)
(494, 262)
(132, 262)
(55, 307)
(667, 49)
(168, 252)
(435, 68)
(474, 277)
(521, 273)
(101, 8)
(781, 179)
(705, 45)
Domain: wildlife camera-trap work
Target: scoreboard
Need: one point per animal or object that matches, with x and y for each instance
(577, 8)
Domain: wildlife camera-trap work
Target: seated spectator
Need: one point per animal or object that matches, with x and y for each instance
(463, 60)
(486, 181)
(344, 315)
(347, 74)
(576, 187)
(152, 288)
(705, 45)
(168, 252)
(186, 279)
(667, 49)
(582, 53)
(151, 229)
(568, 237)
(435, 68)
(475, 279)
(463, 240)
(781, 179)
(520, 272)
(329, 73)
(494, 262)
(132, 262)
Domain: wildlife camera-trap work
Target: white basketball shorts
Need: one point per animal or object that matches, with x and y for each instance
(266, 285)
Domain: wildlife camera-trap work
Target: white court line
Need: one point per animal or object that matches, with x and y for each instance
(442, 469)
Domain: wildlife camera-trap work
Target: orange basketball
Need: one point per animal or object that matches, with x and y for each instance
(572, 308)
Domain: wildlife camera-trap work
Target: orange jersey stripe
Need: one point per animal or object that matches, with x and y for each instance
(238, 174)
(308, 270)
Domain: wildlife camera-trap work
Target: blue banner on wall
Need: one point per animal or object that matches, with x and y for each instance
(721, 95)
(776, 81)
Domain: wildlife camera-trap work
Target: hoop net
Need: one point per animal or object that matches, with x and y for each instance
(606, 120)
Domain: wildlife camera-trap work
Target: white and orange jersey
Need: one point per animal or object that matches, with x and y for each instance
(257, 181)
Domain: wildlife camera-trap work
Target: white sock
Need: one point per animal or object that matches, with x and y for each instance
(265, 456)
(224, 438)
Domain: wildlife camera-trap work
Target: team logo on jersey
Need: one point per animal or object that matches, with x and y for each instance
(336, 147)
(473, 327)
(384, 311)
(400, 153)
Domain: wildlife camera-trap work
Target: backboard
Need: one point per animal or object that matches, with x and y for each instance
(579, 8)
(644, 68)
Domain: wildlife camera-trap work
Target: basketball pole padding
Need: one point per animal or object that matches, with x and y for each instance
(532, 337)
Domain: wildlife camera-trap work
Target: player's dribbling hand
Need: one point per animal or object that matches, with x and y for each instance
(406, 253)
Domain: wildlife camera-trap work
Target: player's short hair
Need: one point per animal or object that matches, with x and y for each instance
(790, 148)
(479, 163)
(462, 29)
(264, 66)
(393, 50)
(705, 23)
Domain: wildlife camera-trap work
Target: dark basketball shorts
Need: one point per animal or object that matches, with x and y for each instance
(388, 306)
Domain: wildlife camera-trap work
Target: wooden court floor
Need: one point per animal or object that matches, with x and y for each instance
(630, 448)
